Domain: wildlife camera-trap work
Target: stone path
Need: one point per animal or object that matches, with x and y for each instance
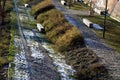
(108, 56)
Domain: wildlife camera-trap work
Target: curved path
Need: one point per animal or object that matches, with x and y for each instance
(108, 56)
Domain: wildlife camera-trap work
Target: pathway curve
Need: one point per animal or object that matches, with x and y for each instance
(108, 56)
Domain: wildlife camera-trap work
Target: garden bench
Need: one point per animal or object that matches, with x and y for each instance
(87, 22)
(40, 28)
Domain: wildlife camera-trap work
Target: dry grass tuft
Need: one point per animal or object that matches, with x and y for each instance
(3, 61)
(45, 5)
(69, 40)
(5, 40)
(87, 64)
(64, 35)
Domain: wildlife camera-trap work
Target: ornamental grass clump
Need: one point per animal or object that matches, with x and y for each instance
(43, 6)
(70, 40)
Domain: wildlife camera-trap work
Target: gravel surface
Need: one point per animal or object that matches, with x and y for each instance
(108, 56)
(31, 60)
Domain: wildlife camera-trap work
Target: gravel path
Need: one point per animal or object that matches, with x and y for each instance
(31, 60)
(108, 56)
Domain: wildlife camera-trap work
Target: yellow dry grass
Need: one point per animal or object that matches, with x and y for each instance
(64, 35)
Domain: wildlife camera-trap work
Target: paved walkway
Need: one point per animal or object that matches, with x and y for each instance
(108, 56)
(78, 12)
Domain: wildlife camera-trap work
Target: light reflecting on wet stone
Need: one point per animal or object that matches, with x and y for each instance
(65, 70)
(21, 65)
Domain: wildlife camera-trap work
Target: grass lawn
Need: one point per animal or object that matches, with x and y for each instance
(4, 41)
(4, 47)
(5, 38)
(79, 6)
(112, 35)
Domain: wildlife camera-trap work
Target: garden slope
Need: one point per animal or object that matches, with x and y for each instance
(67, 39)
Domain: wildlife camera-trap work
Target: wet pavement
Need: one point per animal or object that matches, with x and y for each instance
(21, 64)
(41, 65)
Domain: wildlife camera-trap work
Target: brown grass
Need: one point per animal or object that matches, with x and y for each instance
(3, 61)
(68, 39)
(58, 30)
(87, 64)
(5, 40)
(52, 18)
(26, 1)
(42, 7)
(9, 5)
